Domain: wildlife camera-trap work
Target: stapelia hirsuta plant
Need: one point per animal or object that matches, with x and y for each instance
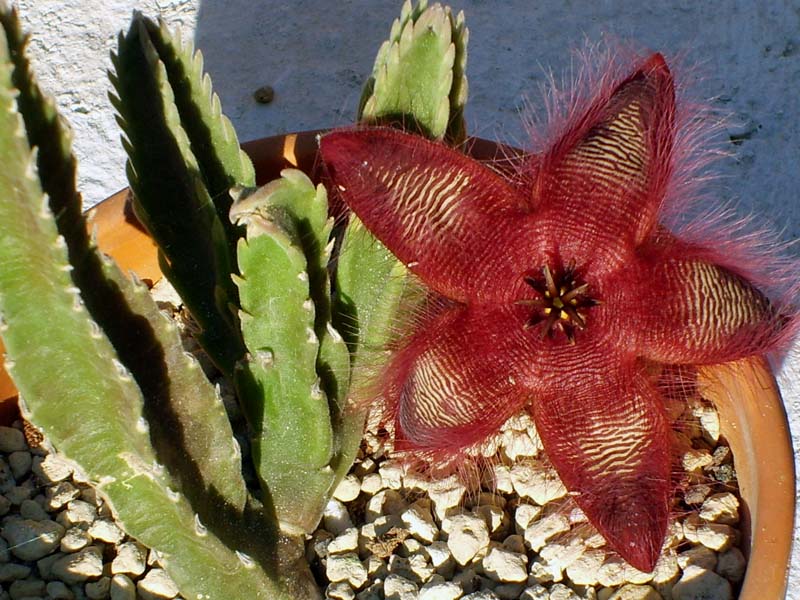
(558, 292)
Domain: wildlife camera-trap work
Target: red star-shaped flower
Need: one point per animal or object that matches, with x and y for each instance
(561, 294)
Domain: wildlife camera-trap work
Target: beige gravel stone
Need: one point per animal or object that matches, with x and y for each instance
(697, 582)
(419, 521)
(721, 508)
(346, 567)
(156, 585)
(348, 489)
(666, 569)
(506, 566)
(371, 484)
(399, 588)
(336, 518)
(130, 560)
(79, 566)
(731, 564)
(440, 591)
(340, 591)
(31, 540)
(122, 588)
(347, 541)
(524, 515)
(52, 468)
(583, 571)
(468, 536)
(559, 591)
(537, 482)
(538, 532)
(635, 592)
(446, 495)
(699, 556)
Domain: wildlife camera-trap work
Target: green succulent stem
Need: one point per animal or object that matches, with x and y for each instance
(173, 196)
(418, 82)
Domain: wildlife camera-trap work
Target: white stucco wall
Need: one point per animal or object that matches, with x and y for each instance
(316, 54)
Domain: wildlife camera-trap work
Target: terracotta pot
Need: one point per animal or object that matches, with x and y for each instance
(751, 412)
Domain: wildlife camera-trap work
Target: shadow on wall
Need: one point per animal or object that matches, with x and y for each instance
(316, 55)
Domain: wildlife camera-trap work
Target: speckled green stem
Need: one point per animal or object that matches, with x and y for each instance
(418, 81)
(183, 157)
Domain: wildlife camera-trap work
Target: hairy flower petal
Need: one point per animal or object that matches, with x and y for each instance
(600, 187)
(691, 311)
(609, 440)
(444, 215)
(459, 377)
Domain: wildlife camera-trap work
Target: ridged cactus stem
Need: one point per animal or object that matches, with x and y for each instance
(170, 168)
(285, 317)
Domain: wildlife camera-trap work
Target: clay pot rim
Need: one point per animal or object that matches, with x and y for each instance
(752, 415)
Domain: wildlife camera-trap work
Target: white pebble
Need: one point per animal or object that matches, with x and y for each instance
(79, 512)
(583, 570)
(371, 484)
(501, 479)
(694, 460)
(13, 571)
(346, 567)
(612, 572)
(537, 482)
(20, 463)
(80, 566)
(98, 590)
(666, 570)
(107, 531)
(376, 567)
(130, 560)
(348, 489)
(122, 588)
(25, 589)
(721, 508)
(543, 573)
(391, 473)
(560, 555)
(75, 539)
(518, 444)
(420, 523)
(524, 515)
(12, 440)
(538, 532)
(414, 568)
(561, 592)
(31, 540)
(156, 585)
(468, 536)
(731, 565)
(52, 468)
(709, 422)
(506, 566)
(60, 494)
(535, 592)
(340, 590)
(715, 536)
(347, 541)
(635, 592)
(446, 590)
(697, 582)
(446, 494)
(336, 518)
(58, 590)
(399, 588)
(30, 509)
(441, 558)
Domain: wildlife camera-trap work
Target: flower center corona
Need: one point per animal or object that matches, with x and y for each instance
(562, 302)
